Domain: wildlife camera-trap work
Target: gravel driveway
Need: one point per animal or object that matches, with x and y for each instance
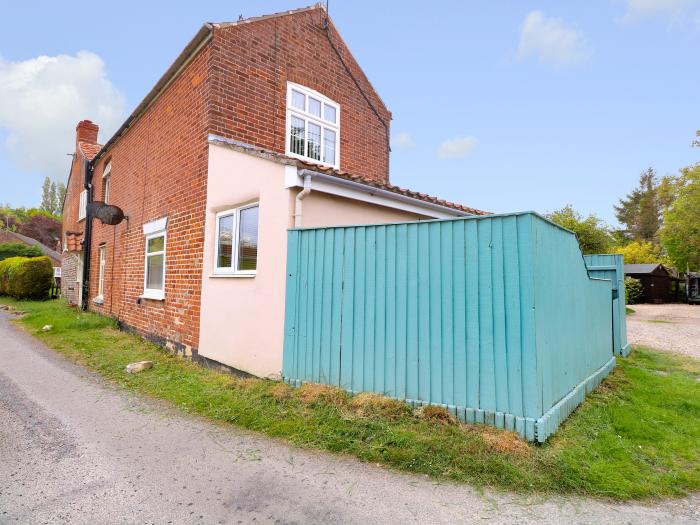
(76, 450)
(671, 327)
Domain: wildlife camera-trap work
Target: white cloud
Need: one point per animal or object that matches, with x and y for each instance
(41, 101)
(551, 41)
(402, 142)
(642, 8)
(456, 148)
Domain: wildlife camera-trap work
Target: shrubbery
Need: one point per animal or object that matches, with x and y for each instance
(634, 291)
(26, 277)
(17, 249)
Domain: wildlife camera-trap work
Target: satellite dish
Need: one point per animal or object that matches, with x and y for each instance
(107, 213)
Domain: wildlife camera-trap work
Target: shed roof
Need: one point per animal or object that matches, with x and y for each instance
(642, 268)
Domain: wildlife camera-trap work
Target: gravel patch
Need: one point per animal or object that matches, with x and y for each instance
(669, 327)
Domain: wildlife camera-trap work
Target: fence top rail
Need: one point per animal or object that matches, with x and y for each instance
(451, 219)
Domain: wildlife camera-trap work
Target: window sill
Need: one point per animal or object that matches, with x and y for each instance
(153, 296)
(98, 300)
(316, 162)
(232, 275)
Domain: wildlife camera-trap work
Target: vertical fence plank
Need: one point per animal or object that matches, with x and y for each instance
(347, 310)
(381, 353)
(337, 305)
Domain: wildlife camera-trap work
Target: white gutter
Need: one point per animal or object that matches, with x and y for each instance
(300, 197)
(377, 196)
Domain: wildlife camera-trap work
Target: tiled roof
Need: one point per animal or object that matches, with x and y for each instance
(261, 152)
(390, 187)
(73, 242)
(89, 150)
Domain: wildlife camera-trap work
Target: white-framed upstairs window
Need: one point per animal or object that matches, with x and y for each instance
(313, 126)
(106, 178)
(82, 205)
(102, 261)
(154, 263)
(236, 243)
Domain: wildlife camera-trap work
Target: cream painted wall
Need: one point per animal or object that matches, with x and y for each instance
(242, 318)
(322, 209)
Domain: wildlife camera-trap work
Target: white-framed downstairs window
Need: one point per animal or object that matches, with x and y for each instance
(154, 263)
(102, 261)
(313, 126)
(82, 205)
(236, 250)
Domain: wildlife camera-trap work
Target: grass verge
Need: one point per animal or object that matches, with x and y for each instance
(637, 436)
(629, 310)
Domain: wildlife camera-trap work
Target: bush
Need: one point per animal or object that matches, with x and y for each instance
(26, 277)
(17, 249)
(634, 290)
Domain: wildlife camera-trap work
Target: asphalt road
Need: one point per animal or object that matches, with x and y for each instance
(76, 450)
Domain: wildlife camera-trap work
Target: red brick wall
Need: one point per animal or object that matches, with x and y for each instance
(251, 65)
(158, 170)
(73, 189)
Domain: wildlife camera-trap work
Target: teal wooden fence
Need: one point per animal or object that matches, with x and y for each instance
(494, 317)
(612, 266)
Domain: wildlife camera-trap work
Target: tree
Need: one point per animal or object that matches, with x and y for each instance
(641, 252)
(680, 234)
(641, 210)
(46, 202)
(592, 233)
(43, 227)
(60, 197)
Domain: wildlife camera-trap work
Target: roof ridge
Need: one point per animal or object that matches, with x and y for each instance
(251, 19)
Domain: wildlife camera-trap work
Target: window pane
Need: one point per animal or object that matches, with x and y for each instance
(298, 100)
(296, 139)
(329, 113)
(328, 146)
(156, 244)
(106, 190)
(315, 107)
(248, 239)
(314, 141)
(154, 272)
(225, 242)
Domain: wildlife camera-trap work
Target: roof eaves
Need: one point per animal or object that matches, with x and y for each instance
(284, 159)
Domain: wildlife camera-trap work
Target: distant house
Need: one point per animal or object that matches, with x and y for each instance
(661, 284)
(10, 236)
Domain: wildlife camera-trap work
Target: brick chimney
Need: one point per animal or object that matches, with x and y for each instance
(86, 131)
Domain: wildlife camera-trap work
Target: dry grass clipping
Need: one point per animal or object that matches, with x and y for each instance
(436, 414)
(315, 393)
(281, 391)
(502, 440)
(368, 404)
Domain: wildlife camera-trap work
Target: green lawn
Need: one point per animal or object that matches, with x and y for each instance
(637, 436)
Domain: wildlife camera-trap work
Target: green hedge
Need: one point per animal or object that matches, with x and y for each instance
(26, 277)
(17, 249)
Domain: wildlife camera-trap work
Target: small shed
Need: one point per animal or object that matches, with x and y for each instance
(661, 284)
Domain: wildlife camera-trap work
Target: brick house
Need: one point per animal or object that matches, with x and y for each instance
(259, 125)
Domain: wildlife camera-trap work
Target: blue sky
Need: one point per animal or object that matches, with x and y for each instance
(504, 106)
